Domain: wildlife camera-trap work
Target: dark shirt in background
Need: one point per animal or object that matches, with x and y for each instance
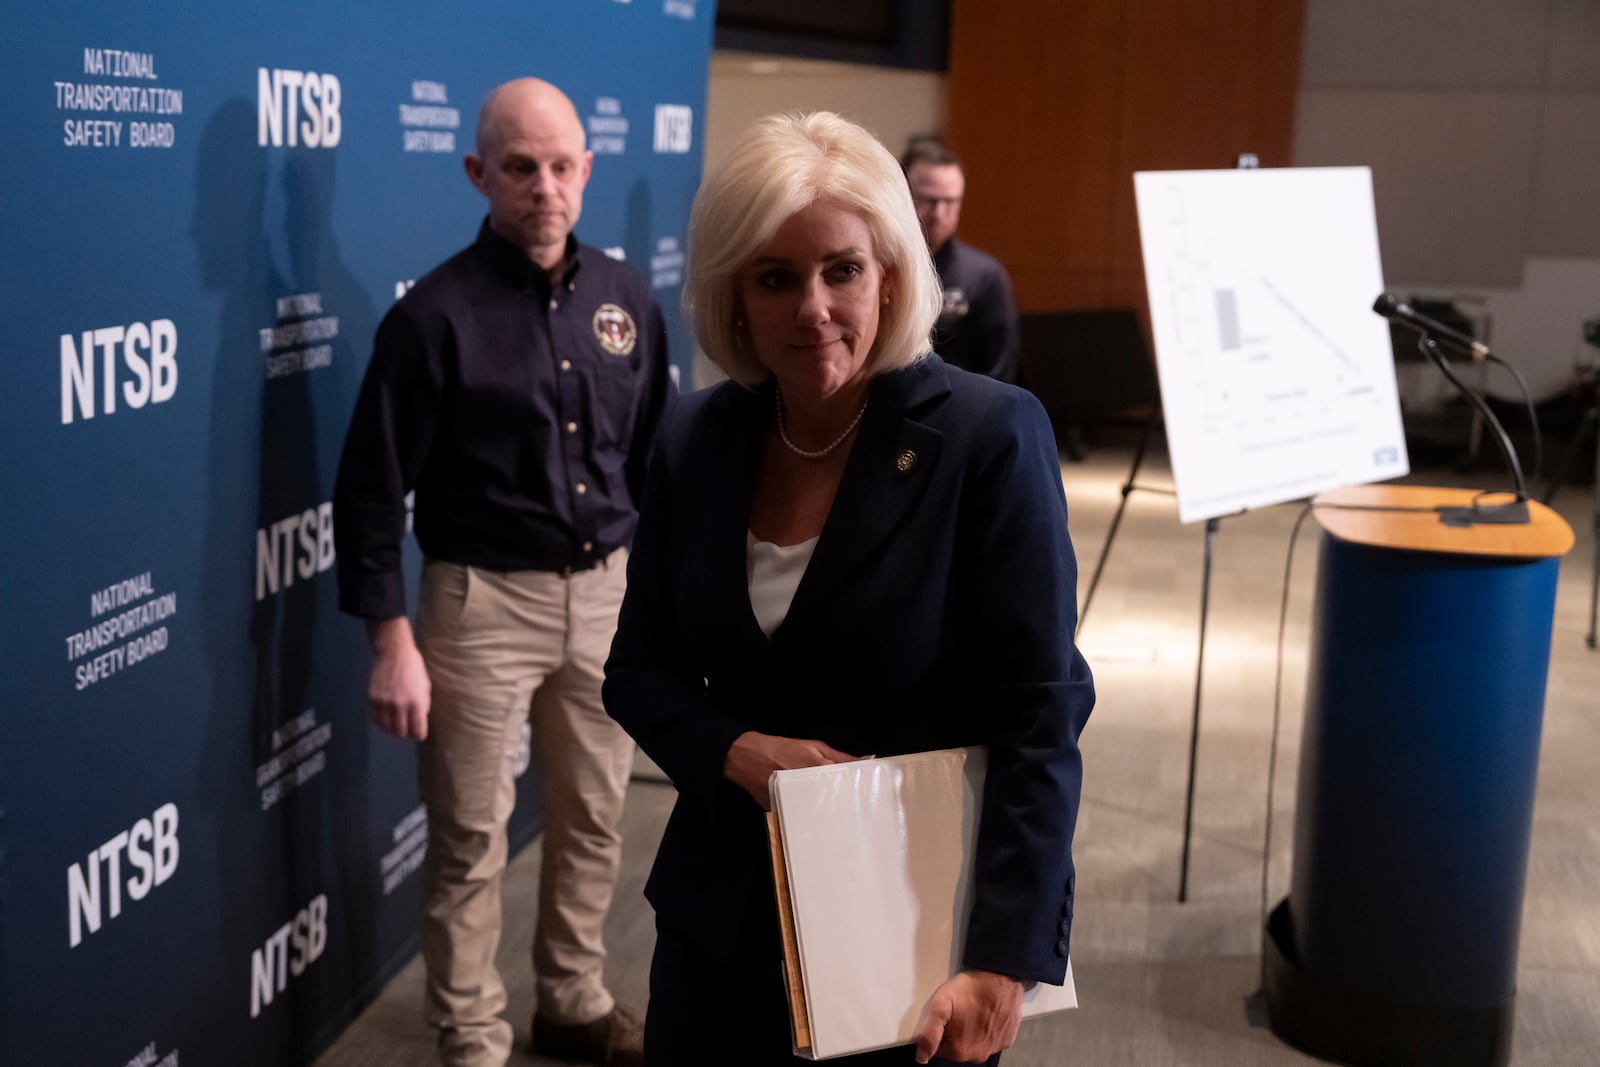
(520, 409)
(978, 329)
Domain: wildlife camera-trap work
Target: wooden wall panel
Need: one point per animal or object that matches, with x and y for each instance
(1055, 105)
(1031, 84)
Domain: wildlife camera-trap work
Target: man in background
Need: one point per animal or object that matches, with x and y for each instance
(978, 329)
(517, 388)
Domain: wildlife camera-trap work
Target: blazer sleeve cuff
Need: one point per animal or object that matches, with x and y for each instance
(1031, 950)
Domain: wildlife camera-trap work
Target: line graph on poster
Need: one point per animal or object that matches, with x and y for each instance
(1275, 385)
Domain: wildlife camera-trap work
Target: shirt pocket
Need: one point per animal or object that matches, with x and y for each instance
(613, 389)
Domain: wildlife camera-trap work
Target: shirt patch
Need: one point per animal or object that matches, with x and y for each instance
(615, 329)
(955, 304)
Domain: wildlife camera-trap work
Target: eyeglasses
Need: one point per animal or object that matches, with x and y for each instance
(935, 202)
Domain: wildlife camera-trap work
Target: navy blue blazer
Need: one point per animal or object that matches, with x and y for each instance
(937, 610)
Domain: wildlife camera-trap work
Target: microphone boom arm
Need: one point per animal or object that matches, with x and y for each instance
(1430, 350)
(1398, 311)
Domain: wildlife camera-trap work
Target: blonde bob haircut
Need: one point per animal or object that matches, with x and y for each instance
(783, 164)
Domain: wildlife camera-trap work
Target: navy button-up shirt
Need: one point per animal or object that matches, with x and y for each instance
(521, 410)
(978, 329)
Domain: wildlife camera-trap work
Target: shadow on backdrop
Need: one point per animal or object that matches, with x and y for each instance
(293, 818)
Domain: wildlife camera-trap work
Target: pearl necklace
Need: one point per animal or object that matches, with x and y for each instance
(783, 434)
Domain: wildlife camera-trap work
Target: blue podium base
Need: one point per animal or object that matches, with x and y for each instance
(1363, 1030)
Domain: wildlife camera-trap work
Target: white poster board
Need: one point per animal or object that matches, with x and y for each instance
(1277, 380)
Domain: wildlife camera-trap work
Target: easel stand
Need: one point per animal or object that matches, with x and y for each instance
(1212, 525)
(1589, 425)
(1245, 161)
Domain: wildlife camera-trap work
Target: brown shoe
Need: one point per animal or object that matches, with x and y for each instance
(614, 1040)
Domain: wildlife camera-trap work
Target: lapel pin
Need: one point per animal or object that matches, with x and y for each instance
(905, 461)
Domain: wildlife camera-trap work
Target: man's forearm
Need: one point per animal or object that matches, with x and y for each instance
(386, 635)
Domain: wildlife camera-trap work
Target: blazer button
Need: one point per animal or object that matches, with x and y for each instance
(1061, 948)
(1066, 926)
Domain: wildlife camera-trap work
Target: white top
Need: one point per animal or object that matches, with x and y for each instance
(774, 573)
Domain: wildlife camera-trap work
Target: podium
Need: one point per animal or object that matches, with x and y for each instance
(1397, 943)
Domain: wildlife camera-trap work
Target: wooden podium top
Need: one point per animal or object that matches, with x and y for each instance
(1414, 525)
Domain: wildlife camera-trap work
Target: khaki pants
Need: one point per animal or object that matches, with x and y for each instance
(501, 650)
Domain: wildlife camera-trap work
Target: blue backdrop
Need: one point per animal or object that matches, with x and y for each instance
(204, 848)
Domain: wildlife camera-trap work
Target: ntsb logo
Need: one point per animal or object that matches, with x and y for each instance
(273, 964)
(282, 96)
(150, 372)
(299, 544)
(674, 128)
(151, 847)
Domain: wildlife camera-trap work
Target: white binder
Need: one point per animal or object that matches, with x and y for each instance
(873, 865)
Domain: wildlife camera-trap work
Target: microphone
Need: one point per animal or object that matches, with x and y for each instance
(1515, 512)
(1394, 309)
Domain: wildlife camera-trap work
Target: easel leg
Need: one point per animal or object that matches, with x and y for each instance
(1594, 549)
(1194, 728)
(1570, 454)
(1116, 520)
(1590, 424)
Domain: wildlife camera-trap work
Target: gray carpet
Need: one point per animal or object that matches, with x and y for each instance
(1162, 983)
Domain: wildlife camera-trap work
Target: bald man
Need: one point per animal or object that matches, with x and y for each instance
(516, 389)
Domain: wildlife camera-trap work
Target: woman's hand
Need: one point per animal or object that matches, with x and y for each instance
(753, 757)
(970, 1017)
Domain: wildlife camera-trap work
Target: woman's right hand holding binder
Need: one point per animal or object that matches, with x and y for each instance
(969, 1018)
